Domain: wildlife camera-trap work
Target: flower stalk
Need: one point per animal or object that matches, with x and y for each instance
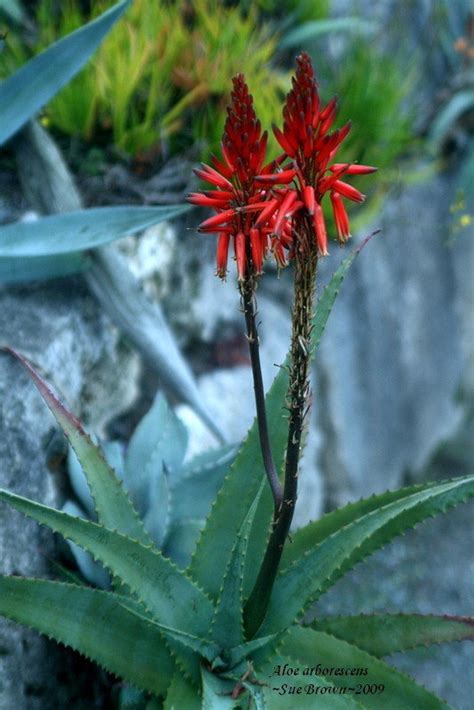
(247, 292)
(298, 403)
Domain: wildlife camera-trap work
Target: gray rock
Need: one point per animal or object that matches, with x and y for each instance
(395, 355)
(67, 337)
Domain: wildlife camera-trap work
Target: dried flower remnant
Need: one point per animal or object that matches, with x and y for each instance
(238, 199)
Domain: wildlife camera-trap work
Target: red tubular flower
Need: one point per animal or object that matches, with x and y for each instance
(308, 143)
(242, 203)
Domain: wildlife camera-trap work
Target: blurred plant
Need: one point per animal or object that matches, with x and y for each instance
(162, 62)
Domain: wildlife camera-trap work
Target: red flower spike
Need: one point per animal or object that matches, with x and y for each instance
(348, 191)
(285, 206)
(239, 199)
(309, 199)
(341, 218)
(222, 254)
(310, 146)
(320, 229)
(218, 220)
(354, 169)
(240, 255)
(284, 177)
(268, 212)
(257, 250)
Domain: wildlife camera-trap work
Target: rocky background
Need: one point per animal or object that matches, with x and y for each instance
(393, 389)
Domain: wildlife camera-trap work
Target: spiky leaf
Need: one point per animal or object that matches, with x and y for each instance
(191, 496)
(307, 537)
(399, 691)
(159, 441)
(93, 623)
(113, 506)
(217, 693)
(73, 232)
(226, 518)
(182, 695)
(227, 625)
(169, 595)
(306, 579)
(277, 693)
(383, 634)
(32, 86)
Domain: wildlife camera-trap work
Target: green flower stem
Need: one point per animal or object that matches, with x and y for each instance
(247, 292)
(298, 396)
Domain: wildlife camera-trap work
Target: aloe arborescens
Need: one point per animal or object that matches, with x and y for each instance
(224, 629)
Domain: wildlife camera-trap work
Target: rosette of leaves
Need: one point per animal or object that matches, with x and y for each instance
(172, 497)
(179, 634)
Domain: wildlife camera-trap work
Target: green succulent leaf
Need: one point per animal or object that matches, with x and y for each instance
(181, 695)
(306, 579)
(204, 648)
(93, 623)
(91, 570)
(180, 542)
(399, 691)
(383, 634)
(227, 625)
(245, 650)
(31, 87)
(169, 596)
(307, 537)
(217, 692)
(39, 268)
(257, 694)
(225, 519)
(158, 443)
(72, 232)
(279, 696)
(199, 480)
(113, 506)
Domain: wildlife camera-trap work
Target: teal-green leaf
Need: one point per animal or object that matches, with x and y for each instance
(35, 83)
(39, 268)
(204, 648)
(310, 647)
(216, 693)
(307, 537)
(113, 506)
(227, 625)
(225, 519)
(383, 634)
(81, 230)
(192, 494)
(167, 593)
(277, 688)
(306, 579)
(159, 440)
(93, 623)
(182, 695)
(241, 484)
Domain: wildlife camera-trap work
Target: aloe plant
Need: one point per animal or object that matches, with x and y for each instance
(176, 631)
(198, 601)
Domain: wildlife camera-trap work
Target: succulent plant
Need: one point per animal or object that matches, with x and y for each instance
(179, 632)
(172, 496)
